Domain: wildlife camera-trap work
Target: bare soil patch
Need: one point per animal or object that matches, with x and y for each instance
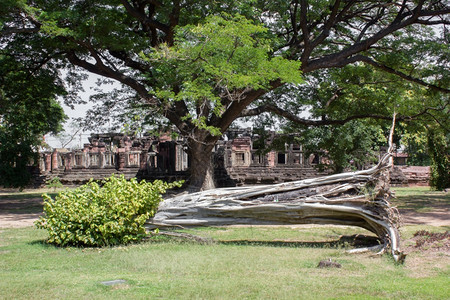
(436, 217)
(427, 254)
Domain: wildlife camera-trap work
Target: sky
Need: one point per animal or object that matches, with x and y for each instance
(78, 111)
(81, 138)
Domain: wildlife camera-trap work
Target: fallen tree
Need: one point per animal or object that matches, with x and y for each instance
(355, 198)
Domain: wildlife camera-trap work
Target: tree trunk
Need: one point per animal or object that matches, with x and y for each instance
(201, 168)
(356, 198)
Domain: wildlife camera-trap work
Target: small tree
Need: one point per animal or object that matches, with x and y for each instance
(54, 183)
(438, 147)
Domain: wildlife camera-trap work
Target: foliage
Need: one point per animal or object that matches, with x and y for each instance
(54, 183)
(28, 110)
(353, 145)
(207, 62)
(416, 147)
(344, 114)
(439, 150)
(214, 60)
(93, 215)
(200, 65)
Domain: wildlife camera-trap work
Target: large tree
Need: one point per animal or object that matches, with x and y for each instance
(201, 69)
(349, 113)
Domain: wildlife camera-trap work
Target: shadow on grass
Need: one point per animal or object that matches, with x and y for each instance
(25, 196)
(20, 196)
(22, 203)
(356, 241)
(353, 241)
(47, 245)
(423, 203)
(43, 243)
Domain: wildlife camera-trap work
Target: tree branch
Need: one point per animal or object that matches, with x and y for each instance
(402, 20)
(302, 121)
(328, 25)
(304, 25)
(102, 70)
(123, 56)
(236, 107)
(370, 23)
(146, 22)
(385, 68)
(436, 22)
(15, 30)
(368, 60)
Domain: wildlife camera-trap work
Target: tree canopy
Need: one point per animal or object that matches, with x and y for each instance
(28, 110)
(203, 64)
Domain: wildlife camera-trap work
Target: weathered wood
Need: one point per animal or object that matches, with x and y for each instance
(354, 198)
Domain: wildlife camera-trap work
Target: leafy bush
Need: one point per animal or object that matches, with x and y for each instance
(94, 215)
(54, 183)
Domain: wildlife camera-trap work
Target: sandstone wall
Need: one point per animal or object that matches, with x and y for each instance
(410, 176)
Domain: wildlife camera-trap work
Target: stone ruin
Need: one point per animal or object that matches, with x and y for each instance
(238, 160)
(147, 157)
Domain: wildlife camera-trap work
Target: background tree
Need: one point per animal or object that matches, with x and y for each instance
(28, 110)
(149, 46)
(352, 145)
(415, 144)
(439, 150)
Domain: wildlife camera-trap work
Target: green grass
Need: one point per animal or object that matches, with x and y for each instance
(170, 269)
(25, 202)
(245, 263)
(420, 199)
(17, 194)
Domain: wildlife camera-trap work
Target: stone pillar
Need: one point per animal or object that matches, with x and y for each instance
(101, 155)
(55, 160)
(68, 158)
(143, 160)
(47, 162)
(271, 159)
(101, 161)
(121, 160)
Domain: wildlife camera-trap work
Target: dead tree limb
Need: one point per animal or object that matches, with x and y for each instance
(355, 198)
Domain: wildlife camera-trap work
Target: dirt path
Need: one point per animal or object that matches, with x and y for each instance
(435, 217)
(17, 221)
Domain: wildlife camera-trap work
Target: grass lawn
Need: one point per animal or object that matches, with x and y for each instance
(245, 263)
(420, 199)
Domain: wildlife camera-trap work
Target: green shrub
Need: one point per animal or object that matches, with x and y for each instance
(94, 215)
(54, 183)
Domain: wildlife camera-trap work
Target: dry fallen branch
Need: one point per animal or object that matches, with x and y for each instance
(355, 198)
